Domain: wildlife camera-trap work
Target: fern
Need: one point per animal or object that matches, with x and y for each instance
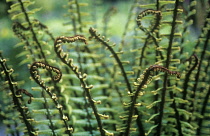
(153, 79)
(23, 110)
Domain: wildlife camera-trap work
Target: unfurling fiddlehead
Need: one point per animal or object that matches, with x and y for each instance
(163, 69)
(35, 75)
(19, 91)
(71, 39)
(69, 62)
(93, 33)
(145, 13)
(187, 77)
(145, 79)
(18, 28)
(151, 31)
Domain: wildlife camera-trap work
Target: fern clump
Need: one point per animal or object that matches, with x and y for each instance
(153, 79)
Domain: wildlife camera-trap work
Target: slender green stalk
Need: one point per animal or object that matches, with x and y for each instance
(97, 37)
(168, 58)
(35, 75)
(69, 62)
(146, 79)
(29, 127)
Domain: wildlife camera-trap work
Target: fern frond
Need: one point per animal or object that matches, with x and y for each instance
(69, 62)
(13, 88)
(143, 82)
(35, 75)
(97, 37)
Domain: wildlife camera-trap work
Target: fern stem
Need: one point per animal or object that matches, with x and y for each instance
(205, 103)
(93, 34)
(146, 79)
(31, 29)
(144, 48)
(102, 82)
(134, 98)
(29, 127)
(73, 21)
(203, 111)
(34, 73)
(197, 76)
(168, 58)
(149, 33)
(46, 106)
(90, 127)
(139, 123)
(63, 57)
(79, 16)
(35, 36)
(187, 77)
(177, 116)
(45, 29)
(156, 86)
(157, 4)
(15, 28)
(89, 99)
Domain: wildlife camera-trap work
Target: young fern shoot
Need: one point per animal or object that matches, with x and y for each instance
(35, 75)
(98, 38)
(146, 79)
(69, 62)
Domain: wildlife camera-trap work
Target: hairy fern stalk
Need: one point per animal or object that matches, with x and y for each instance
(153, 81)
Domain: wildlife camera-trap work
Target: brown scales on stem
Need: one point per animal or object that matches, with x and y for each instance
(19, 91)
